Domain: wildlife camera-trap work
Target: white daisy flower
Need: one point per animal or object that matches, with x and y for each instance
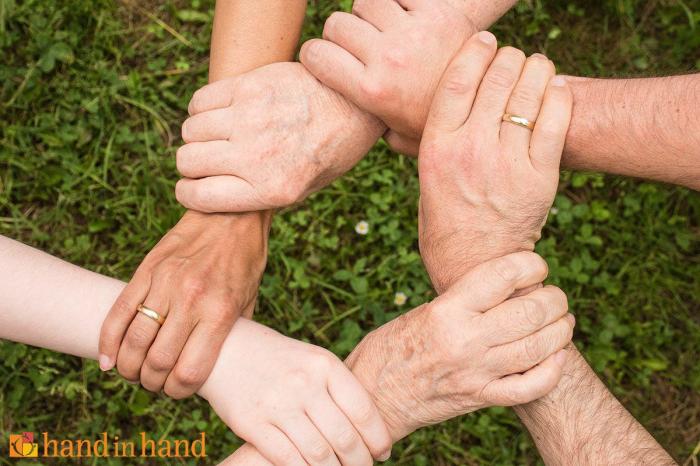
(400, 298)
(362, 228)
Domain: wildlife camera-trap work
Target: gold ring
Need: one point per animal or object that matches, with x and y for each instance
(520, 121)
(151, 314)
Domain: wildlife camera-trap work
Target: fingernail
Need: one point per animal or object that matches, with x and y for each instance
(539, 56)
(384, 456)
(106, 362)
(571, 318)
(558, 81)
(487, 38)
(560, 358)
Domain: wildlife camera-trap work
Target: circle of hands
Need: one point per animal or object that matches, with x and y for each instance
(420, 75)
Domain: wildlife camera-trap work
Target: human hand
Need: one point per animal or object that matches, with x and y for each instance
(201, 276)
(487, 185)
(295, 402)
(268, 139)
(470, 348)
(388, 60)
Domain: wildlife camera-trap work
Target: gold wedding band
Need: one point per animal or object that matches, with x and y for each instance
(520, 121)
(151, 314)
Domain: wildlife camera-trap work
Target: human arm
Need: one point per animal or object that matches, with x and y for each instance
(634, 127)
(56, 305)
(312, 135)
(580, 422)
(205, 272)
(460, 367)
(644, 128)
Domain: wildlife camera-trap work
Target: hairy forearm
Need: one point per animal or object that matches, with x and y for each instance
(636, 127)
(581, 422)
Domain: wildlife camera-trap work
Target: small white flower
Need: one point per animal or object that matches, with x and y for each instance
(554, 211)
(362, 228)
(400, 298)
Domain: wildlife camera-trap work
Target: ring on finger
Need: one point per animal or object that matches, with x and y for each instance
(518, 120)
(151, 314)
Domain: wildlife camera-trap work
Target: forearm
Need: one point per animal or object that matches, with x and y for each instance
(636, 127)
(248, 35)
(483, 14)
(581, 422)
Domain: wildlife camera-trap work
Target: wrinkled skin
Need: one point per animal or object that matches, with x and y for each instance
(268, 139)
(388, 60)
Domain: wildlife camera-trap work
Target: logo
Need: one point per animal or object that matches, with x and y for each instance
(23, 446)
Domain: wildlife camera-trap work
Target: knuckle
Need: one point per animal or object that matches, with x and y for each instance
(395, 57)
(286, 194)
(138, 336)
(364, 414)
(525, 97)
(500, 77)
(193, 287)
(286, 455)
(505, 269)
(513, 54)
(360, 6)
(535, 313)
(372, 89)
(559, 298)
(456, 83)
(319, 452)
(189, 376)
(186, 131)
(195, 105)
(346, 440)
(533, 349)
(183, 160)
(160, 361)
(330, 28)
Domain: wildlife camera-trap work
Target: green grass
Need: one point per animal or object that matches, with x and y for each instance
(92, 94)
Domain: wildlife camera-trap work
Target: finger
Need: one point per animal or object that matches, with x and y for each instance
(309, 441)
(519, 317)
(275, 446)
(166, 349)
(212, 96)
(196, 360)
(524, 354)
(380, 13)
(334, 66)
(353, 400)
(201, 159)
(401, 144)
(458, 87)
(351, 33)
(492, 282)
(523, 388)
(415, 5)
(496, 88)
(119, 318)
(220, 194)
(525, 102)
(549, 135)
(140, 335)
(339, 432)
(209, 126)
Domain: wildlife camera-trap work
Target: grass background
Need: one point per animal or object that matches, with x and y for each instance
(92, 94)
